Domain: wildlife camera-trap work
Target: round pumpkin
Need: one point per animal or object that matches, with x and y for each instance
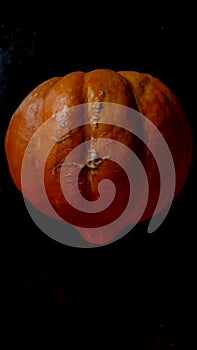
(138, 91)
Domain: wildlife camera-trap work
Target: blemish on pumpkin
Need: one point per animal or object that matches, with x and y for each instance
(93, 139)
(102, 93)
(61, 139)
(98, 106)
(70, 181)
(62, 164)
(142, 86)
(95, 117)
(63, 124)
(78, 165)
(60, 115)
(94, 124)
(66, 175)
(36, 94)
(92, 154)
(107, 157)
(82, 183)
(108, 142)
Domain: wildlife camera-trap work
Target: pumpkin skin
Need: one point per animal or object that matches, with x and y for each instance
(139, 91)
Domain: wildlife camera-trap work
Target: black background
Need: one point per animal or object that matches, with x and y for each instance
(144, 282)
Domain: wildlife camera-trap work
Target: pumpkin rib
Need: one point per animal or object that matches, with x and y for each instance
(20, 121)
(142, 145)
(165, 120)
(133, 85)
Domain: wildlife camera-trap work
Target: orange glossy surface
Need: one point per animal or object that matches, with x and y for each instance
(139, 91)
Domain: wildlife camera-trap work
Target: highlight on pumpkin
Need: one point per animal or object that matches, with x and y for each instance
(98, 151)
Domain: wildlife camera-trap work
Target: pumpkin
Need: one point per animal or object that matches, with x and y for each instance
(140, 92)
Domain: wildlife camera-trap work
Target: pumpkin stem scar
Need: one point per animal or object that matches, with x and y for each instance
(94, 164)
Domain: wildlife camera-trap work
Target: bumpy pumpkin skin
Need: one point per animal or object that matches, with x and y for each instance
(140, 91)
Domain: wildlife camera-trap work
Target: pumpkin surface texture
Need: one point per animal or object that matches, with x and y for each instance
(50, 100)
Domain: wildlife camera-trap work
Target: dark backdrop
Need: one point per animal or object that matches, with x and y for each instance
(146, 279)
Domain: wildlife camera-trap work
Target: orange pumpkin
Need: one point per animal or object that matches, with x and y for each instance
(139, 91)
